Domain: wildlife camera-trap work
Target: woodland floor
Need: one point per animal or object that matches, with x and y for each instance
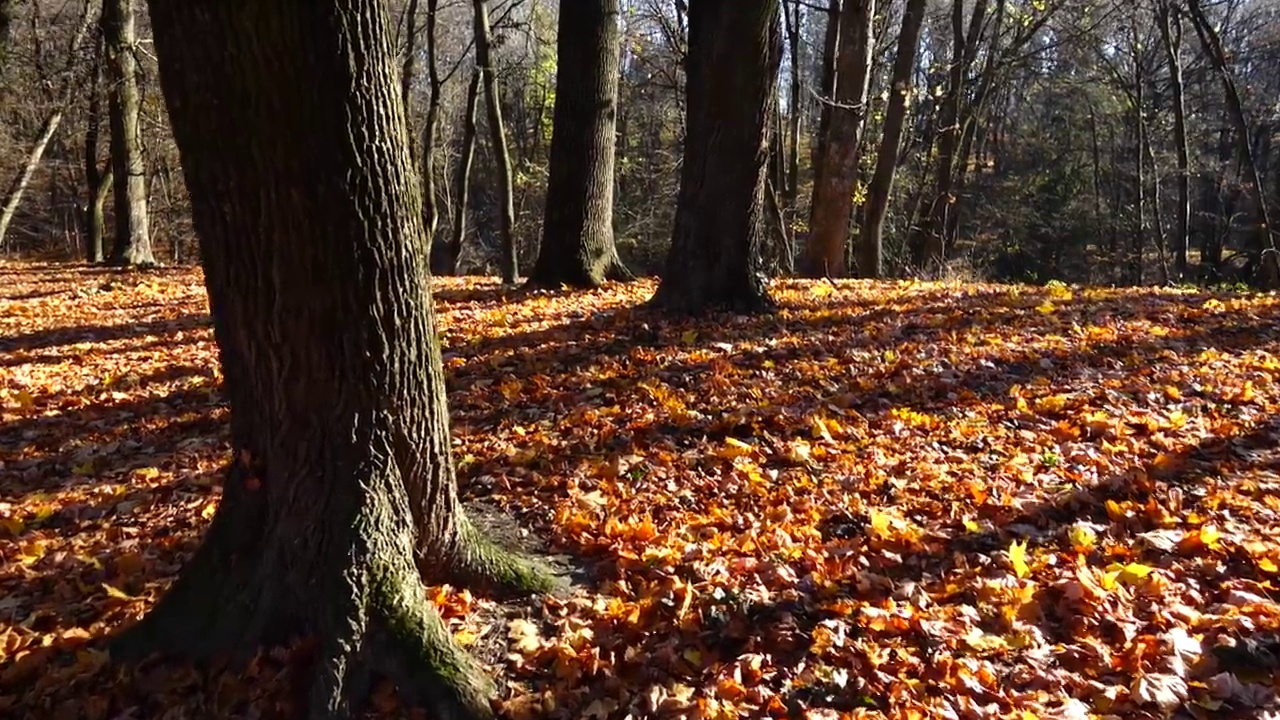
(908, 500)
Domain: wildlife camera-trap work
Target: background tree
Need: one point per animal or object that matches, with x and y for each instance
(577, 232)
(509, 261)
(832, 208)
(714, 263)
(132, 243)
(314, 254)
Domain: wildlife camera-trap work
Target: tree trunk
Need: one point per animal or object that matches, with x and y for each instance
(1268, 258)
(509, 263)
(1171, 34)
(16, 189)
(444, 255)
(832, 207)
(8, 13)
(435, 87)
(932, 246)
(731, 67)
(410, 54)
(577, 233)
(97, 180)
(341, 490)
(1139, 162)
(132, 244)
(794, 119)
(871, 241)
(827, 88)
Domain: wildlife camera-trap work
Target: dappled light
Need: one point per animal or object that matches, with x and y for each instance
(924, 498)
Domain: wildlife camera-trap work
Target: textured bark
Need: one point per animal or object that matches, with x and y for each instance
(731, 66)
(132, 243)
(508, 262)
(577, 232)
(871, 241)
(1268, 258)
(831, 211)
(444, 255)
(341, 493)
(829, 80)
(8, 13)
(1171, 35)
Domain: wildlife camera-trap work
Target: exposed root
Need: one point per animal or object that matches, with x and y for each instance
(413, 647)
(483, 566)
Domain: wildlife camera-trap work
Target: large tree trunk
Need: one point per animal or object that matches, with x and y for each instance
(341, 491)
(132, 245)
(444, 255)
(731, 67)
(1171, 34)
(508, 262)
(577, 233)
(832, 207)
(1268, 258)
(871, 241)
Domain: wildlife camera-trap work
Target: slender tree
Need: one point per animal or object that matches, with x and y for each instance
(577, 233)
(1171, 35)
(832, 207)
(98, 180)
(445, 252)
(1268, 258)
(341, 490)
(871, 240)
(509, 263)
(731, 68)
(132, 244)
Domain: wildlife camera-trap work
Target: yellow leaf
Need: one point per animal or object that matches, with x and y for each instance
(820, 429)
(734, 448)
(1209, 535)
(1082, 537)
(147, 473)
(1046, 308)
(881, 524)
(1267, 565)
(84, 468)
(32, 552)
(115, 592)
(25, 399)
(524, 635)
(972, 526)
(1129, 574)
(689, 337)
(821, 289)
(13, 525)
(1018, 558)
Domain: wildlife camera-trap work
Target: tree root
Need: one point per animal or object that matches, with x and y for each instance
(483, 566)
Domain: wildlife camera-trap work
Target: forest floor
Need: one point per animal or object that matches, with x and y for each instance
(912, 500)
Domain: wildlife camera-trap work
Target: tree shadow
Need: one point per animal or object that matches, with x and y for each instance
(57, 337)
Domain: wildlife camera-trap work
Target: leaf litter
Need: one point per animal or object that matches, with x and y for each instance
(890, 499)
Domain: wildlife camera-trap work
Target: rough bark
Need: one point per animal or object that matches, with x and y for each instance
(132, 243)
(508, 262)
(577, 232)
(828, 82)
(871, 241)
(8, 13)
(18, 186)
(1171, 35)
(1268, 258)
(831, 210)
(444, 255)
(731, 67)
(341, 492)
